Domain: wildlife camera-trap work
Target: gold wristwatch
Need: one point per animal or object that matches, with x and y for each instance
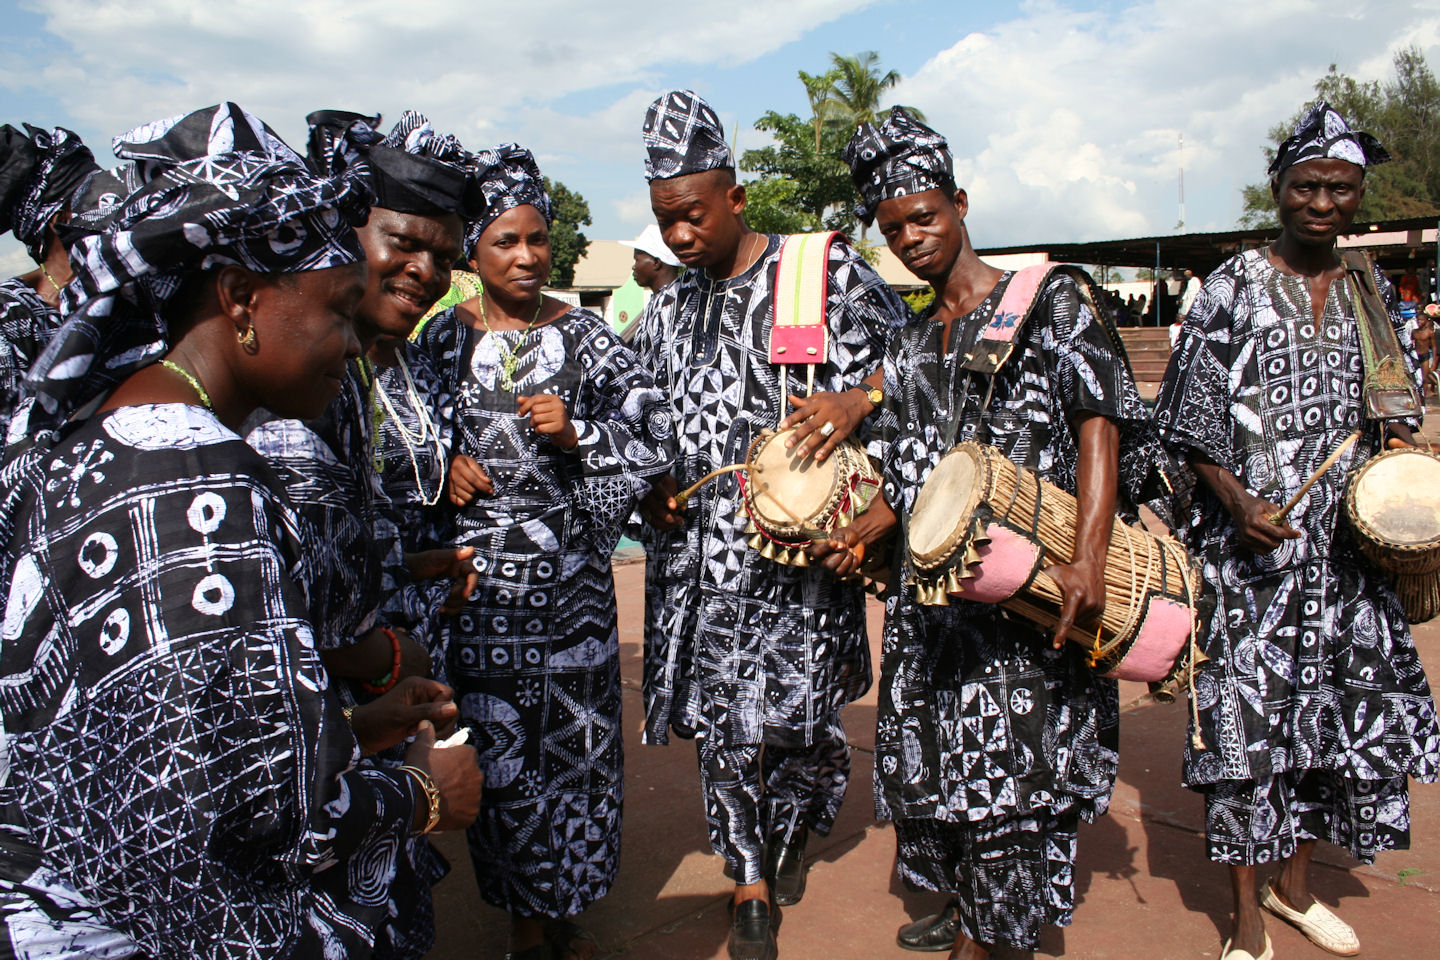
(874, 394)
(432, 796)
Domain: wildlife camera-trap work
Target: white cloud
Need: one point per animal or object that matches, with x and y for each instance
(634, 209)
(1065, 125)
(14, 259)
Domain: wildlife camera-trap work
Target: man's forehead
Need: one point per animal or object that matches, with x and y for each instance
(1324, 170)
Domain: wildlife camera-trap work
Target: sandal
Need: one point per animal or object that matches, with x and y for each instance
(1319, 924)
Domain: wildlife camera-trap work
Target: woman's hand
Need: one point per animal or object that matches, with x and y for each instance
(396, 716)
(549, 418)
(456, 773)
(467, 480)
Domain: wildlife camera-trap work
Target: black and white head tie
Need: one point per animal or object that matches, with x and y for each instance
(412, 169)
(1324, 134)
(218, 187)
(683, 135)
(899, 157)
(509, 177)
(40, 173)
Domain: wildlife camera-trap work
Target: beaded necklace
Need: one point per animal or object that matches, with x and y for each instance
(510, 359)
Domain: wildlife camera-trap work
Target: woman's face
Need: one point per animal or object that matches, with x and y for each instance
(512, 256)
(304, 334)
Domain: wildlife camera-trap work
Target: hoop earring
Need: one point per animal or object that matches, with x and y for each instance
(247, 339)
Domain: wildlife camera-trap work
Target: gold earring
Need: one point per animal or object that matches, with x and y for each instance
(247, 339)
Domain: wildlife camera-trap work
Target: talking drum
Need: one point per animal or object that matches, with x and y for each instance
(792, 501)
(985, 530)
(1393, 502)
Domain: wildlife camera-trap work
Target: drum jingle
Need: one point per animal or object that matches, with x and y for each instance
(1393, 505)
(984, 529)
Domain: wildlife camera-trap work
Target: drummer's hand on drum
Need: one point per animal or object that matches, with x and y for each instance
(1083, 584)
(1399, 436)
(467, 480)
(842, 412)
(658, 507)
(453, 563)
(549, 418)
(844, 552)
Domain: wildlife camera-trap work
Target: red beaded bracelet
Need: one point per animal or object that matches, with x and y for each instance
(385, 683)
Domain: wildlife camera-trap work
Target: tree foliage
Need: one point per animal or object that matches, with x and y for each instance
(1404, 114)
(770, 207)
(567, 243)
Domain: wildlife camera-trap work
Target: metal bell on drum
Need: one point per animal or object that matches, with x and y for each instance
(756, 542)
(972, 556)
(768, 550)
(977, 535)
(952, 581)
(801, 558)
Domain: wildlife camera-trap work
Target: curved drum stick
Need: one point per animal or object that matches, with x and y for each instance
(1279, 518)
(683, 497)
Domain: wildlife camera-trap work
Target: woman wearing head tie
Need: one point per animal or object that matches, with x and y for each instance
(557, 433)
(180, 779)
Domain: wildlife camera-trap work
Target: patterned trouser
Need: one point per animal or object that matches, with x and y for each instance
(1011, 876)
(1252, 822)
(754, 793)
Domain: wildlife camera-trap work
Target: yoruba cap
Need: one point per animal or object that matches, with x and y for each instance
(899, 157)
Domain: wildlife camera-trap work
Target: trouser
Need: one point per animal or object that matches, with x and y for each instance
(1261, 821)
(1010, 875)
(755, 793)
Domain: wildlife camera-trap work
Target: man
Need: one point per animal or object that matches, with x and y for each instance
(655, 265)
(369, 635)
(994, 739)
(752, 659)
(1313, 707)
(1188, 292)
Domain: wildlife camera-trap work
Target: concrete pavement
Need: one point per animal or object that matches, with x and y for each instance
(1144, 886)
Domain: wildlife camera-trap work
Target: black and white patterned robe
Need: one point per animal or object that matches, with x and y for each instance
(986, 736)
(27, 323)
(1312, 665)
(179, 780)
(534, 654)
(737, 647)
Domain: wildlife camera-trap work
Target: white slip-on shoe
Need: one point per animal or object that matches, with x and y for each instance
(1227, 954)
(1325, 930)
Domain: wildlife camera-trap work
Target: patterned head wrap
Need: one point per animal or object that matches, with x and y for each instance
(509, 178)
(218, 187)
(900, 157)
(411, 170)
(1322, 133)
(40, 172)
(683, 135)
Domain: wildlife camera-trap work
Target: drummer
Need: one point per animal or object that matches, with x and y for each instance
(750, 658)
(994, 739)
(1314, 707)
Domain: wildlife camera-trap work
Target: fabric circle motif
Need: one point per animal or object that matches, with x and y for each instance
(214, 595)
(115, 631)
(206, 512)
(98, 555)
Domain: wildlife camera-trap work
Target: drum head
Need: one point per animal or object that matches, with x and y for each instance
(1397, 496)
(945, 505)
(786, 492)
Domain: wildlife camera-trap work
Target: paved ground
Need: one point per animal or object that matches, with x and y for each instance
(1145, 887)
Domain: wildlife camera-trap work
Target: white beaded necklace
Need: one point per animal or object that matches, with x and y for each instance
(428, 432)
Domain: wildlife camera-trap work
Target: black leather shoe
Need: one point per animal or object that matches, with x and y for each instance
(786, 869)
(752, 931)
(934, 933)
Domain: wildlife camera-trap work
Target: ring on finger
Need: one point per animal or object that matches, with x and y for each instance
(827, 429)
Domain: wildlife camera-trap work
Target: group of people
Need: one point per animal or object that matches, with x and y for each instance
(346, 586)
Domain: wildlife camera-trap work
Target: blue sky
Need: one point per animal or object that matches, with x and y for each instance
(1064, 116)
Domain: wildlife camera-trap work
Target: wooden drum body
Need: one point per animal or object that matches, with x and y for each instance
(792, 501)
(1393, 504)
(984, 529)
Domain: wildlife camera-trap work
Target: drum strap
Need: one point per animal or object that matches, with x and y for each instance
(1389, 390)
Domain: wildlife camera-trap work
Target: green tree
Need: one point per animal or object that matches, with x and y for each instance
(1404, 114)
(822, 187)
(770, 207)
(857, 88)
(567, 243)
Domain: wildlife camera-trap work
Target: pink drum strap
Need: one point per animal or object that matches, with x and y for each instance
(997, 340)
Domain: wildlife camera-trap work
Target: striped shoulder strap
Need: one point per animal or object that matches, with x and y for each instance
(799, 333)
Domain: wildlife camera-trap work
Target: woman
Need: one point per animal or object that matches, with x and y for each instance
(557, 432)
(180, 780)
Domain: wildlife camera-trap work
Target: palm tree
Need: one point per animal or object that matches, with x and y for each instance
(819, 87)
(858, 85)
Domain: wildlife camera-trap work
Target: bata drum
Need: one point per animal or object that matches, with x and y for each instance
(1393, 503)
(984, 529)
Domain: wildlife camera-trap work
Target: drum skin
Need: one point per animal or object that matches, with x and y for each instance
(945, 505)
(1393, 505)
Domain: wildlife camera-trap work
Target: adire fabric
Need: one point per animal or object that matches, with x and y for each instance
(1323, 133)
(40, 171)
(899, 157)
(683, 135)
(509, 178)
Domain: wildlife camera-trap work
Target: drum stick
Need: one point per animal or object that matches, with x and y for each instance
(683, 497)
(1279, 518)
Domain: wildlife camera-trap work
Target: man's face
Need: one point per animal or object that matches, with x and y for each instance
(699, 216)
(1317, 199)
(645, 268)
(409, 257)
(925, 230)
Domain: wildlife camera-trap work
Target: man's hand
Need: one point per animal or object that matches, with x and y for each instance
(456, 773)
(454, 563)
(1252, 523)
(397, 715)
(658, 507)
(550, 419)
(844, 552)
(1083, 585)
(467, 480)
(843, 412)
